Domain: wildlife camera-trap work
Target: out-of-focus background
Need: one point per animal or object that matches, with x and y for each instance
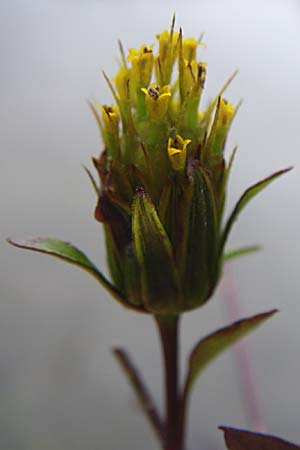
(60, 388)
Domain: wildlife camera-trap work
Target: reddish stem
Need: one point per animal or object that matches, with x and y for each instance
(168, 330)
(141, 391)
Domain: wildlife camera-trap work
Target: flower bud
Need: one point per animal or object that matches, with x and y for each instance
(110, 118)
(121, 81)
(168, 50)
(142, 64)
(190, 49)
(218, 133)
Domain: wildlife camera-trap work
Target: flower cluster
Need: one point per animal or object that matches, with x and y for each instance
(163, 177)
(163, 182)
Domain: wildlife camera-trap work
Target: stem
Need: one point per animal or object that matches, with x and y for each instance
(168, 330)
(141, 391)
(184, 399)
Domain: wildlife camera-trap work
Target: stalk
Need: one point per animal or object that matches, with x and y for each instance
(168, 331)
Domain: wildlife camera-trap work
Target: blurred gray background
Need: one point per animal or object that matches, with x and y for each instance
(60, 388)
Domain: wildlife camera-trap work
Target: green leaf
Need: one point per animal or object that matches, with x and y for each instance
(246, 440)
(153, 249)
(245, 198)
(67, 252)
(244, 251)
(214, 344)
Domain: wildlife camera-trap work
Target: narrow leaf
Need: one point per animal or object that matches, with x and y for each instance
(231, 161)
(94, 109)
(244, 251)
(245, 198)
(213, 345)
(92, 179)
(246, 440)
(67, 252)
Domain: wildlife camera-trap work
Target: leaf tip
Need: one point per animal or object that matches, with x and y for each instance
(14, 242)
(272, 312)
(282, 171)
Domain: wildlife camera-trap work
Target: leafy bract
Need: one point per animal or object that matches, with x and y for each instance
(246, 440)
(237, 253)
(154, 252)
(244, 199)
(67, 252)
(92, 180)
(214, 344)
(202, 239)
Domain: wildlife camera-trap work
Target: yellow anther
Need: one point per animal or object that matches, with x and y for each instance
(177, 149)
(157, 100)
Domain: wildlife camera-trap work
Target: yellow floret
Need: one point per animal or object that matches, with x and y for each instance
(157, 100)
(110, 117)
(177, 149)
(142, 64)
(121, 81)
(225, 113)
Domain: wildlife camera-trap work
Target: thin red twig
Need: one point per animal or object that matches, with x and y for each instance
(141, 391)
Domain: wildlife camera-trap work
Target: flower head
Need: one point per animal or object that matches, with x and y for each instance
(163, 177)
(163, 182)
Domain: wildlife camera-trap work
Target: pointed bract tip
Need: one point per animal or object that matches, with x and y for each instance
(140, 191)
